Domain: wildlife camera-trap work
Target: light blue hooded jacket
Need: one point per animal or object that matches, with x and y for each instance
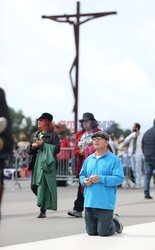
(102, 194)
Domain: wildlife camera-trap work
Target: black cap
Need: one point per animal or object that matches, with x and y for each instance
(46, 116)
(102, 134)
(87, 116)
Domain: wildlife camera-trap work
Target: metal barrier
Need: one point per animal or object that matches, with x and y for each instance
(21, 166)
(66, 162)
(127, 169)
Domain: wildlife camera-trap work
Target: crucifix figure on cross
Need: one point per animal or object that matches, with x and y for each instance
(76, 24)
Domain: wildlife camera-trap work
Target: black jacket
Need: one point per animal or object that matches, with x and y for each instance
(6, 135)
(148, 143)
(50, 137)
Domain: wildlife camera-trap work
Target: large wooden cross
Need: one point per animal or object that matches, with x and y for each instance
(75, 21)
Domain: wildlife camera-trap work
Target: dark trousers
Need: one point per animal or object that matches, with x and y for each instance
(1, 193)
(1, 184)
(2, 164)
(79, 202)
(100, 222)
(147, 178)
(34, 189)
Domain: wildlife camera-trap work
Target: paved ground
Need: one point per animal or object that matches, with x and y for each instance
(19, 222)
(141, 236)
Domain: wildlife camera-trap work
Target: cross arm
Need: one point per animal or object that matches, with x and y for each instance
(65, 18)
(97, 15)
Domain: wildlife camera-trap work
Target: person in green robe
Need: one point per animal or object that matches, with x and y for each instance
(44, 176)
(44, 146)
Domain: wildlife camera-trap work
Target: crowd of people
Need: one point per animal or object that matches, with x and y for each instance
(102, 162)
(128, 149)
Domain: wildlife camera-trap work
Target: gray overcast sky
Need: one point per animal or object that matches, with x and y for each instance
(117, 79)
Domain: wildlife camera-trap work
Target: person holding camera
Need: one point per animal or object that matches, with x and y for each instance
(82, 149)
(134, 141)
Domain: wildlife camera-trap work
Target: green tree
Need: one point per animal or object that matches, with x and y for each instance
(126, 132)
(117, 131)
(61, 127)
(21, 123)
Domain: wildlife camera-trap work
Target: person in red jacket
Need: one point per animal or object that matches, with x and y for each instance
(64, 143)
(83, 142)
(63, 158)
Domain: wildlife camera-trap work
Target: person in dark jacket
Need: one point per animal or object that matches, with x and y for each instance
(148, 147)
(44, 134)
(6, 142)
(83, 142)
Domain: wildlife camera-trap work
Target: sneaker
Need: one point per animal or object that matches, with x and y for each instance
(148, 197)
(120, 229)
(75, 213)
(3, 124)
(42, 215)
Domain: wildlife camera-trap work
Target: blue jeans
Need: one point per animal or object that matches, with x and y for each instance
(148, 174)
(100, 222)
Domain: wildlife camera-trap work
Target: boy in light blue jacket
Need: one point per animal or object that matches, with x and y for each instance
(101, 173)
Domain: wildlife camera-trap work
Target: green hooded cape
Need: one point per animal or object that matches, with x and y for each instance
(44, 176)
